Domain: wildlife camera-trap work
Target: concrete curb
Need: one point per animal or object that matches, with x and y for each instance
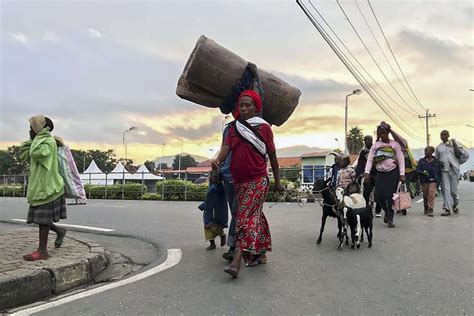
(28, 285)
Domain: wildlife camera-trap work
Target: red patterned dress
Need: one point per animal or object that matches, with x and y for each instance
(249, 171)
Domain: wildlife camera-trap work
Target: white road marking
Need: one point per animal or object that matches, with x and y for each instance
(173, 258)
(74, 226)
(420, 200)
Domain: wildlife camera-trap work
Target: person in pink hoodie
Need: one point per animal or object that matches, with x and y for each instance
(389, 162)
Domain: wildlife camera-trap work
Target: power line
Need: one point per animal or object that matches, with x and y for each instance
(352, 69)
(364, 83)
(368, 51)
(393, 55)
(346, 61)
(386, 58)
(366, 87)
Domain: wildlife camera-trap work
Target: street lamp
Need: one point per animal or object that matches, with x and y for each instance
(124, 139)
(356, 91)
(179, 159)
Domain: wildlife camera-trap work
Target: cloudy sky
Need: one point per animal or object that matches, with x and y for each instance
(98, 67)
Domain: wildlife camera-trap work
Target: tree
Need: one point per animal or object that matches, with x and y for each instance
(186, 161)
(161, 166)
(6, 161)
(355, 140)
(105, 160)
(10, 162)
(81, 159)
(150, 165)
(125, 162)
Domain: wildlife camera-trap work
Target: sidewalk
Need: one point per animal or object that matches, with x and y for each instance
(76, 263)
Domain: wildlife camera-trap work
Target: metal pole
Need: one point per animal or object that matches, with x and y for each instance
(345, 126)
(125, 148)
(427, 117)
(179, 160)
(106, 185)
(123, 143)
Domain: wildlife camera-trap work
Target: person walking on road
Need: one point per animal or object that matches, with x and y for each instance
(388, 158)
(429, 171)
(215, 212)
(450, 154)
(231, 201)
(45, 192)
(250, 139)
(369, 186)
(334, 170)
(346, 176)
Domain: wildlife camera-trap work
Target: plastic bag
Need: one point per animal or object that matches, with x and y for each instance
(67, 168)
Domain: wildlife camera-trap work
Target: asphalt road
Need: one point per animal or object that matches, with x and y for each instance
(423, 266)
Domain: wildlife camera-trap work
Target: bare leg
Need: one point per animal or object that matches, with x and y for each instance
(43, 239)
(237, 259)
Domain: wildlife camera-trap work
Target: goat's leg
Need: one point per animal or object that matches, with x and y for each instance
(353, 235)
(323, 223)
(370, 235)
(362, 236)
(347, 236)
(339, 226)
(358, 231)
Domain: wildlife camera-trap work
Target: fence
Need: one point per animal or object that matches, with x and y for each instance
(142, 186)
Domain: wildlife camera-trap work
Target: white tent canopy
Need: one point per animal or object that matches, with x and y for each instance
(143, 174)
(119, 173)
(93, 175)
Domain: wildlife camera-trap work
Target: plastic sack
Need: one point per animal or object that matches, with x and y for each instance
(67, 168)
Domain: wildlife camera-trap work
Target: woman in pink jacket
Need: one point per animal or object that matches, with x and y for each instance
(389, 162)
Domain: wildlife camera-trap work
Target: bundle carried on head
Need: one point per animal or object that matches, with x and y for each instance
(214, 77)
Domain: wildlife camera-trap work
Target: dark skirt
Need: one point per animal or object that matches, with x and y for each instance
(47, 213)
(386, 184)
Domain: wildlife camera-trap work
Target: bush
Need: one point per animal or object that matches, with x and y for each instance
(130, 191)
(11, 190)
(173, 190)
(272, 196)
(151, 196)
(196, 192)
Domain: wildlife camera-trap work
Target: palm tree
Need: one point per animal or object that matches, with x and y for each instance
(355, 140)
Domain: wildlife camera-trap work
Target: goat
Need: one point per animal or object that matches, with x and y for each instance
(359, 219)
(328, 205)
(354, 201)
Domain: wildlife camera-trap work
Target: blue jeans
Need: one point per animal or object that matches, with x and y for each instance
(229, 192)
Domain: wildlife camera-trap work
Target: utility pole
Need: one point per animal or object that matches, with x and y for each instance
(427, 117)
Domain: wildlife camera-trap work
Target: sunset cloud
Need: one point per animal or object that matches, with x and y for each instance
(87, 66)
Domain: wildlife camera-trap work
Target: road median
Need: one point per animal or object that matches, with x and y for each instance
(76, 263)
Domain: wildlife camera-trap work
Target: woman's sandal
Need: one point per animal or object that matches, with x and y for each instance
(59, 240)
(234, 272)
(36, 255)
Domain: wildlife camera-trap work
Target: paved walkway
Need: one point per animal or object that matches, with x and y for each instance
(16, 243)
(76, 263)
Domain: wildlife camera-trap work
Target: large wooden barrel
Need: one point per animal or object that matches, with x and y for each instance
(212, 70)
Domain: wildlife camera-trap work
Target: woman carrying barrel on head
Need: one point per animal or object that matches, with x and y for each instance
(250, 139)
